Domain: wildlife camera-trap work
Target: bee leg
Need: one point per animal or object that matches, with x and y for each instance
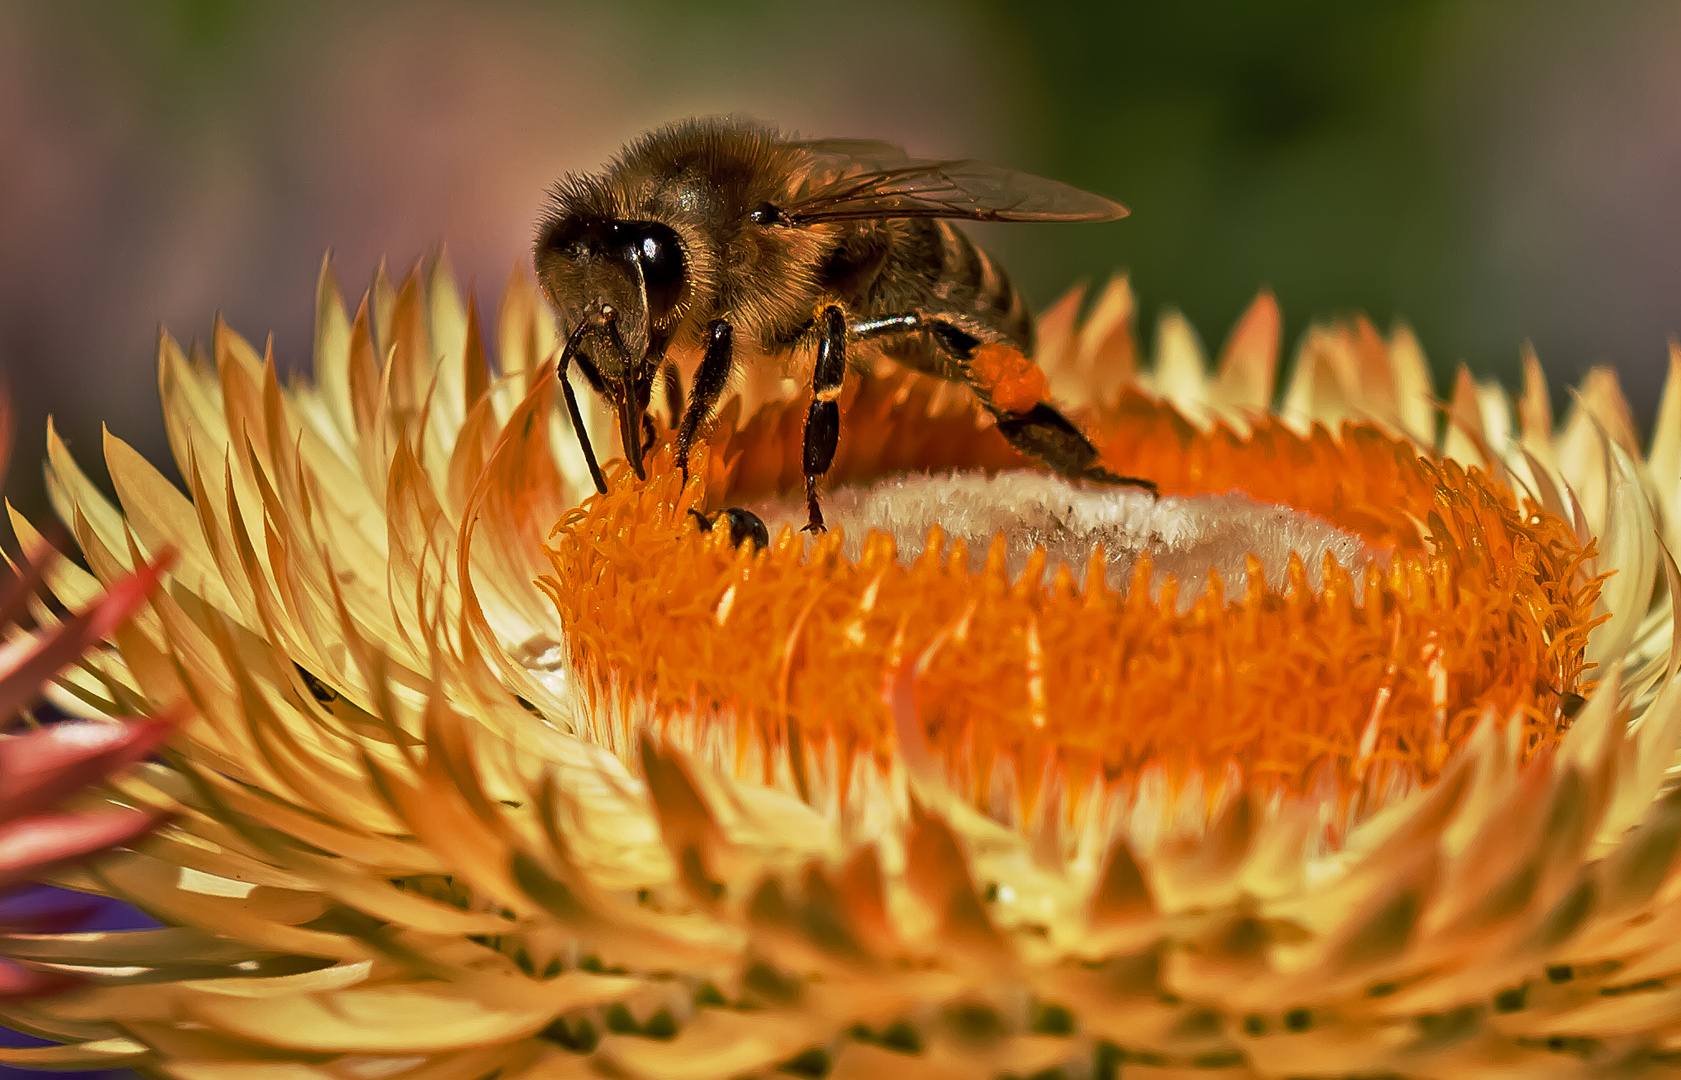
(908, 323)
(576, 416)
(1040, 431)
(710, 379)
(1044, 433)
(822, 422)
(573, 413)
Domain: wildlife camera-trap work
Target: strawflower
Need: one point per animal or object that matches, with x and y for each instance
(1348, 756)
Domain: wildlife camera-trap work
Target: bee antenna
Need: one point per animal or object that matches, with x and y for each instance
(572, 410)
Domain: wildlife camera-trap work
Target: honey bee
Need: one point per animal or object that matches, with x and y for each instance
(722, 237)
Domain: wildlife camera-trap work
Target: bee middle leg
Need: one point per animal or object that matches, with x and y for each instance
(822, 420)
(1041, 432)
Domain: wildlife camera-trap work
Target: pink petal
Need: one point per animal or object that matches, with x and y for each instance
(41, 767)
(29, 847)
(17, 981)
(60, 646)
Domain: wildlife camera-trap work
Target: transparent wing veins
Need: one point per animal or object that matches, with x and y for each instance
(855, 179)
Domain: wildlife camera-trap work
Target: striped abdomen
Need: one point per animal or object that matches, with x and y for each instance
(928, 267)
(977, 285)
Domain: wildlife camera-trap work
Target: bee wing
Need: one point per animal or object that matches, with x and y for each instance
(855, 179)
(854, 155)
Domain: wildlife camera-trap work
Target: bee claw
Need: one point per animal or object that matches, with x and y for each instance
(814, 512)
(1104, 476)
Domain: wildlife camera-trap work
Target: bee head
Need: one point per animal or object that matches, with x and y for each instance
(616, 285)
(623, 280)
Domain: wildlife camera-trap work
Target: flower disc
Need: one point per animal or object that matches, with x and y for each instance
(1365, 679)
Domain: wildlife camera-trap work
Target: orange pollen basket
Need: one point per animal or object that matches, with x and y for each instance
(1358, 690)
(1011, 379)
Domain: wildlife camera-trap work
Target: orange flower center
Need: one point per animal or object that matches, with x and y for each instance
(1362, 689)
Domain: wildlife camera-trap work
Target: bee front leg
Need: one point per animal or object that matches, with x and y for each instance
(575, 414)
(822, 422)
(710, 379)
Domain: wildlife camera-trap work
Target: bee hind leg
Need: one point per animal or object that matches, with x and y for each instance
(1045, 434)
(1012, 388)
(822, 421)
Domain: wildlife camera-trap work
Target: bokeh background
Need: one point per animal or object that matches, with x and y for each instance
(1490, 170)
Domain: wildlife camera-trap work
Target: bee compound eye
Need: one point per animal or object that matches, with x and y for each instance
(660, 252)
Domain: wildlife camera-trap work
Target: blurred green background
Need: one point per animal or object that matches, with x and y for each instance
(1491, 171)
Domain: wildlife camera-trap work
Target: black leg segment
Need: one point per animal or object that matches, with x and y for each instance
(957, 342)
(573, 413)
(822, 422)
(888, 324)
(1044, 433)
(710, 379)
(1041, 432)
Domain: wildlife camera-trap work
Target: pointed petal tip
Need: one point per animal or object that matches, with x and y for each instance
(1248, 364)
